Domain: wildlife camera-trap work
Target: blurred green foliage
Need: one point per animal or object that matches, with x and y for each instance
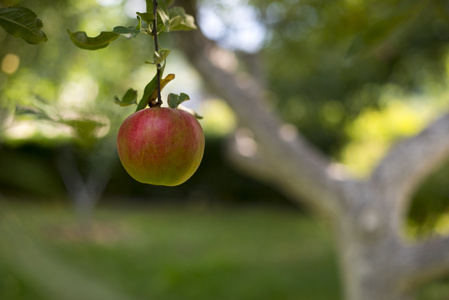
(327, 61)
(31, 170)
(354, 76)
(62, 74)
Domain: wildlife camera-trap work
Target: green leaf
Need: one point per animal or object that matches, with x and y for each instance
(179, 20)
(174, 100)
(41, 109)
(33, 111)
(163, 13)
(191, 111)
(23, 23)
(133, 31)
(126, 30)
(378, 33)
(149, 92)
(84, 128)
(81, 40)
(169, 2)
(129, 98)
(160, 56)
(147, 17)
(163, 17)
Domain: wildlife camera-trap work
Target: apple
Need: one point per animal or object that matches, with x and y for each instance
(161, 145)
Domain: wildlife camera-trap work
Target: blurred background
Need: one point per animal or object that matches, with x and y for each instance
(353, 76)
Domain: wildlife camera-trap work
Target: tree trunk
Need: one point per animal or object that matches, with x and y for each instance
(367, 271)
(368, 247)
(376, 262)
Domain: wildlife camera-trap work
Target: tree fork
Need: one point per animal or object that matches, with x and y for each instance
(376, 262)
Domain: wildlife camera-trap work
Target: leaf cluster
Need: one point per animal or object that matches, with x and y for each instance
(168, 20)
(23, 23)
(150, 95)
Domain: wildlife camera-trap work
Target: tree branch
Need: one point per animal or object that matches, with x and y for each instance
(425, 261)
(410, 161)
(243, 152)
(246, 155)
(300, 166)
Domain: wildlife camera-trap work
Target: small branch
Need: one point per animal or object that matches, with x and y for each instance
(258, 165)
(410, 161)
(156, 48)
(426, 261)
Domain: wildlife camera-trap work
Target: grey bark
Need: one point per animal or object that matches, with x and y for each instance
(376, 261)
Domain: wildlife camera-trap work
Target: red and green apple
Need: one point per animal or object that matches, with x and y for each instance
(161, 145)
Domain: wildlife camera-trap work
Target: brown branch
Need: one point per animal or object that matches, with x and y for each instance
(156, 48)
(425, 261)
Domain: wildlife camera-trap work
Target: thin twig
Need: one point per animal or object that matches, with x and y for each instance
(156, 47)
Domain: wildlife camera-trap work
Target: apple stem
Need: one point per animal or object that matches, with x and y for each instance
(156, 48)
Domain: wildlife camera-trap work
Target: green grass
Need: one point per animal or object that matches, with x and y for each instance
(165, 253)
(169, 253)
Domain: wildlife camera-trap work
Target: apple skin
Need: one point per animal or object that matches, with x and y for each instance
(161, 145)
